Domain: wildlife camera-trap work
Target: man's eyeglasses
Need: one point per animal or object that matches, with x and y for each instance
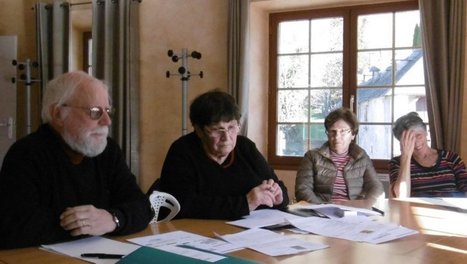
(94, 112)
(341, 132)
(219, 132)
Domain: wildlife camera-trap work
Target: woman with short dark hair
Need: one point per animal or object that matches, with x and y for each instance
(214, 172)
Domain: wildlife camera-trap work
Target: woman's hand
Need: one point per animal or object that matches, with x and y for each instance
(267, 193)
(407, 143)
(276, 191)
(402, 186)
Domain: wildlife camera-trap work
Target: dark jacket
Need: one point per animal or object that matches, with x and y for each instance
(38, 182)
(208, 190)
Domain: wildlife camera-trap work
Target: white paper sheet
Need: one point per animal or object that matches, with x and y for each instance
(271, 243)
(360, 229)
(95, 244)
(172, 240)
(263, 218)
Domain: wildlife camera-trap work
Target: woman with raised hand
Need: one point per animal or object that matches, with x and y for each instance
(422, 171)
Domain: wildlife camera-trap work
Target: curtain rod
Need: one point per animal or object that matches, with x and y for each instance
(84, 3)
(98, 2)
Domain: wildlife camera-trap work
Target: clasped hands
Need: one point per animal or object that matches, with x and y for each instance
(268, 193)
(87, 220)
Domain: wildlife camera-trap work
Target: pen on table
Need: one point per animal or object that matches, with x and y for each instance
(102, 255)
(377, 210)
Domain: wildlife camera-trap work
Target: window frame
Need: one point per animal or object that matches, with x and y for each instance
(349, 82)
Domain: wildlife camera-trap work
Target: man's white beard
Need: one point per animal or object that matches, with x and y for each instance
(85, 143)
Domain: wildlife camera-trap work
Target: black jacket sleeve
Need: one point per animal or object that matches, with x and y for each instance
(26, 220)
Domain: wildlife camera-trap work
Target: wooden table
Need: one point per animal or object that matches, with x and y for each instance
(442, 238)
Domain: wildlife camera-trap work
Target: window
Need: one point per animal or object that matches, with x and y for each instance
(367, 58)
(87, 52)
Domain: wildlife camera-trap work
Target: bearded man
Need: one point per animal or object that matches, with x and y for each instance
(69, 179)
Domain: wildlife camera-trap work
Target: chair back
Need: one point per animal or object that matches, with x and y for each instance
(162, 199)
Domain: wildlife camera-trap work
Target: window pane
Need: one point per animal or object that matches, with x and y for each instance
(326, 70)
(410, 99)
(292, 106)
(318, 136)
(327, 34)
(291, 140)
(374, 104)
(375, 31)
(409, 66)
(293, 71)
(89, 66)
(376, 140)
(408, 29)
(374, 68)
(323, 101)
(293, 37)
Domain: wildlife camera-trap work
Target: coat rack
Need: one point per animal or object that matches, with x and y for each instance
(28, 81)
(185, 77)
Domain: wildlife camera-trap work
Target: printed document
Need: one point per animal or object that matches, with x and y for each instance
(185, 243)
(360, 229)
(264, 218)
(271, 243)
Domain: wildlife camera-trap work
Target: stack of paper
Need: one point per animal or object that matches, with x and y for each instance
(175, 238)
(357, 229)
(331, 222)
(270, 243)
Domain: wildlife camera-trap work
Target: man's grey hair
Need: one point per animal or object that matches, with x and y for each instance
(59, 90)
(406, 122)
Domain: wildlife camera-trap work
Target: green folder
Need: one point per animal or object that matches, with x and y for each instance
(145, 255)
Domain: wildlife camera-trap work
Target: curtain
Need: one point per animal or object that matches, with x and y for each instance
(52, 31)
(115, 42)
(238, 38)
(443, 25)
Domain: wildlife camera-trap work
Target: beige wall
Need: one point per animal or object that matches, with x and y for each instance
(80, 22)
(175, 24)
(17, 18)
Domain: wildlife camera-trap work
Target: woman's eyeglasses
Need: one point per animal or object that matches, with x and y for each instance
(341, 132)
(219, 132)
(94, 112)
